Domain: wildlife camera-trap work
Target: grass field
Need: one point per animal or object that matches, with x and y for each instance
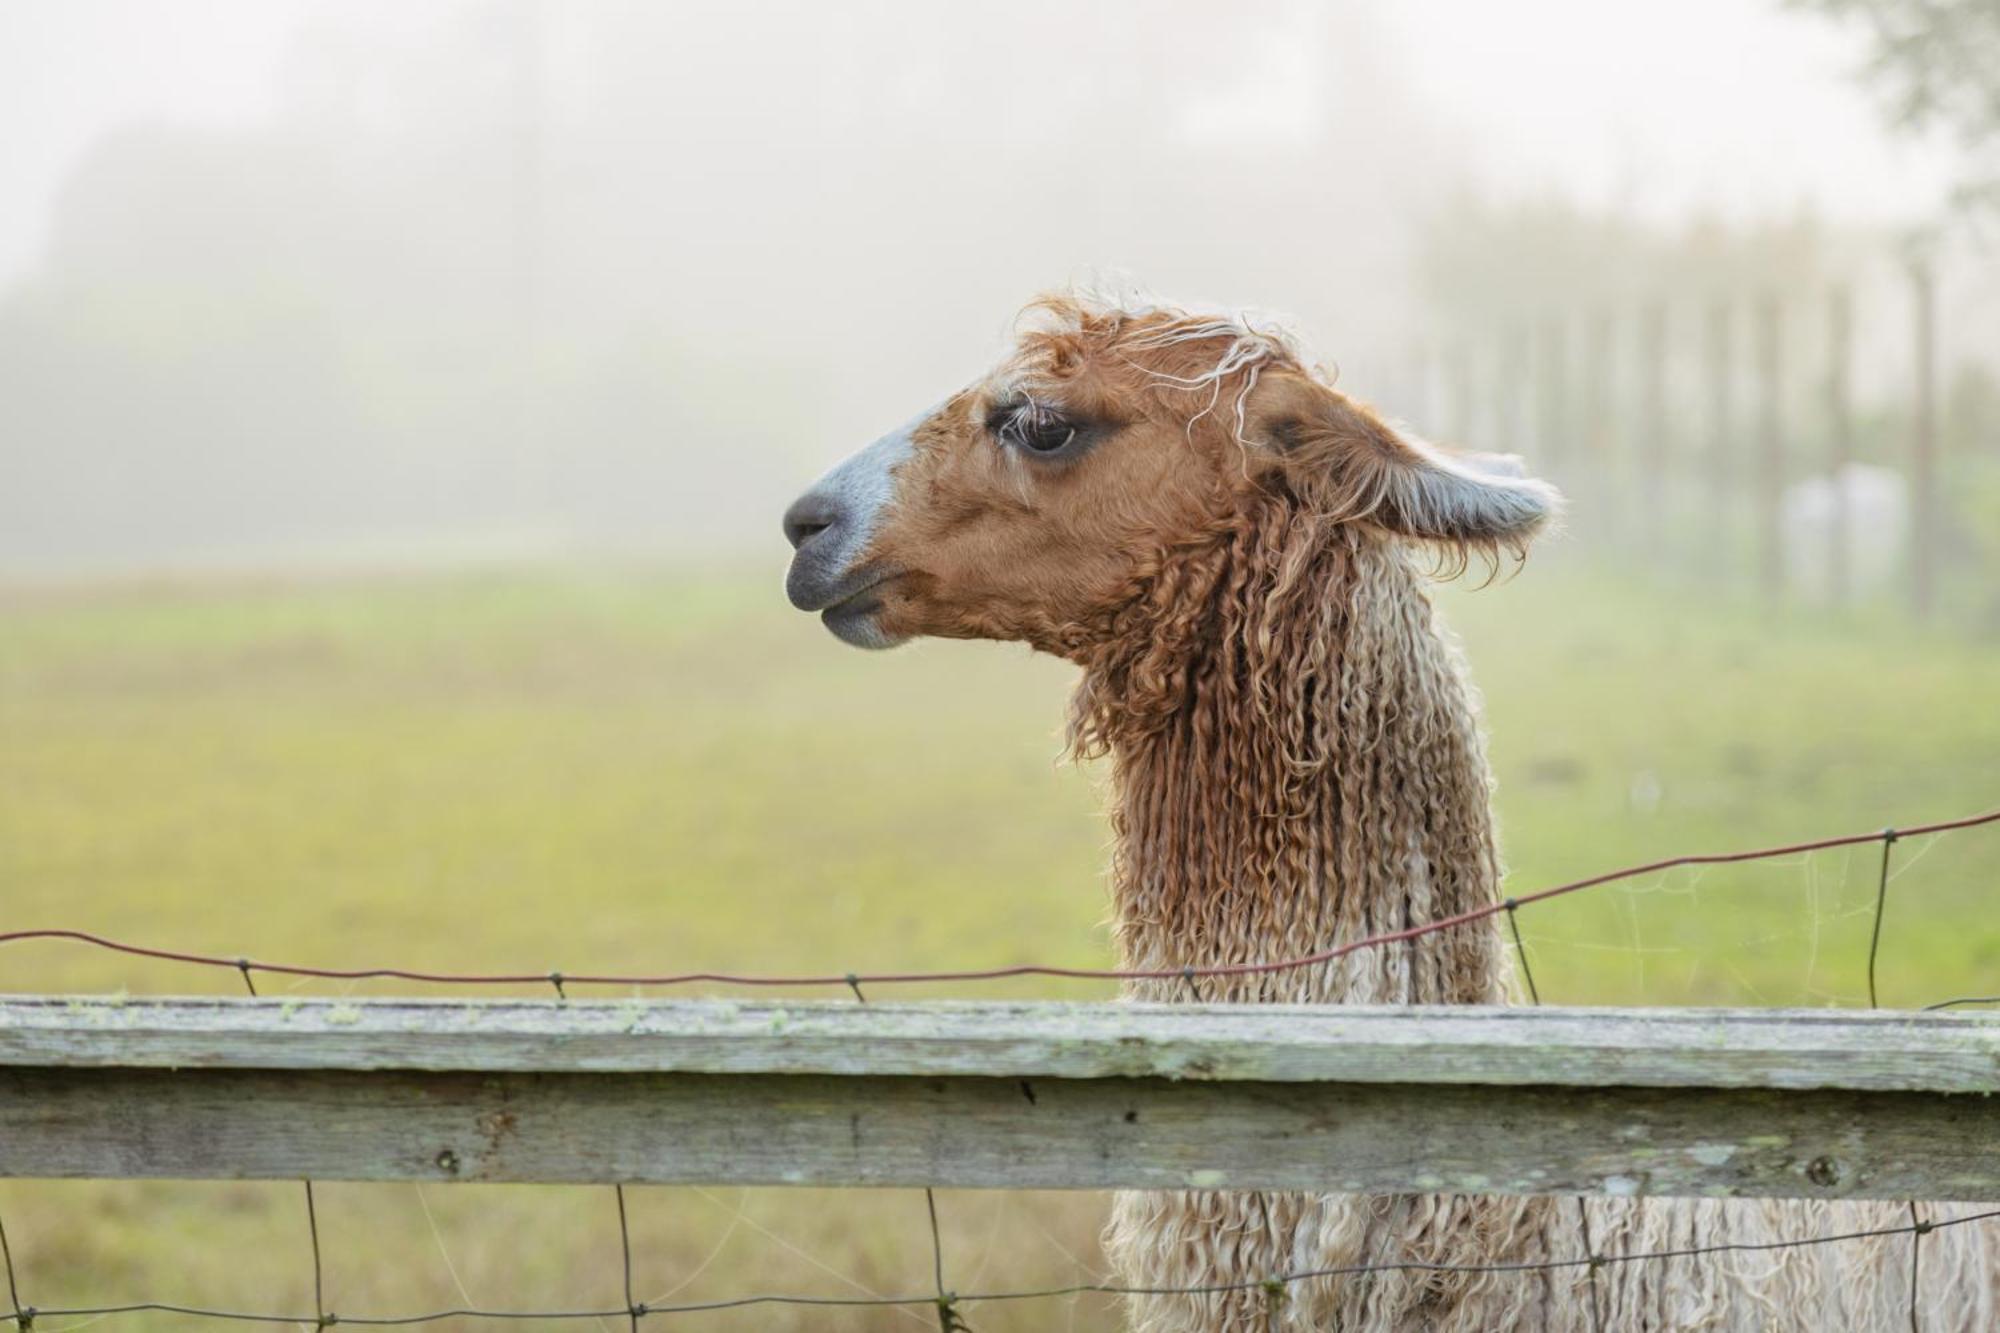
(650, 772)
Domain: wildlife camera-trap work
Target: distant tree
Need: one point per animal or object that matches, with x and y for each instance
(1938, 62)
(1482, 265)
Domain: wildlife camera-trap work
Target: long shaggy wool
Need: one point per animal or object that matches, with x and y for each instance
(1298, 762)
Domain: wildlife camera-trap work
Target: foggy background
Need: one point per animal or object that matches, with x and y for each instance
(285, 284)
(398, 401)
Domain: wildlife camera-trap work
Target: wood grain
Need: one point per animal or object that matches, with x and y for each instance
(1816, 1048)
(765, 1129)
(1030, 1095)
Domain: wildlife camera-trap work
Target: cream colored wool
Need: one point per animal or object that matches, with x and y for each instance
(1297, 763)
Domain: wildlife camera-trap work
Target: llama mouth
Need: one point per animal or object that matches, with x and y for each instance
(811, 586)
(852, 619)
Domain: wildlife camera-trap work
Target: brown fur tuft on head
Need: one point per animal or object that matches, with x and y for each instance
(1117, 442)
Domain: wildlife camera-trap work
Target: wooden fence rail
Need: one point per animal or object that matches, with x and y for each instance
(1816, 1104)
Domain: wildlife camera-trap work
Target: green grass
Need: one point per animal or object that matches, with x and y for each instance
(542, 770)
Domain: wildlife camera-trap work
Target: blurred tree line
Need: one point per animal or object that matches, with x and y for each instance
(1938, 64)
(625, 275)
(1641, 356)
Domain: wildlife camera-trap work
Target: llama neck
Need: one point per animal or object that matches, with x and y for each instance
(1297, 766)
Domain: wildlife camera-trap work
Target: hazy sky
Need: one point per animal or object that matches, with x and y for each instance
(1730, 106)
(1734, 106)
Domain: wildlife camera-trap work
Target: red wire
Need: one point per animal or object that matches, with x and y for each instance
(246, 965)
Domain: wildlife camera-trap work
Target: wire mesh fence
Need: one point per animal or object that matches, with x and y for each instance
(1827, 440)
(560, 980)
(948, 1305)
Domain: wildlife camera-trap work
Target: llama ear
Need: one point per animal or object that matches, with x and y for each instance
(1367, 469)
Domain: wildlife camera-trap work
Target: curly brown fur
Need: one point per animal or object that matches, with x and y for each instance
(1297, 764)
(1235, 553)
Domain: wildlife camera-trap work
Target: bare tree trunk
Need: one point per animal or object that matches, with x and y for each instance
(1421, 404)
(1770, 450)
(1721, 433)
(1923, 445)
(1552, 395)
(1599, 369)
(1840, 420)
(1652, 461)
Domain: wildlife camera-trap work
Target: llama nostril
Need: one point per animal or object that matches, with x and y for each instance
(809, 516)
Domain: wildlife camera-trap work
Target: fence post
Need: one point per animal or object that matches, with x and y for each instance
(1553, 392)
(1459, 384)
(1770, 449)
(1421, 407)
(1652, 471)
(1599, 367)
(1721, 432)
(1923, 444)
(1510, 369)
(1840, 421)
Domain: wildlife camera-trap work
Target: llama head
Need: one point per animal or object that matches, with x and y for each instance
(1039, 501)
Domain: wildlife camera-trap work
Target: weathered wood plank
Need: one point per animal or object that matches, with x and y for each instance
(1023, 1095)
(762, 1129)
(1716, 1048)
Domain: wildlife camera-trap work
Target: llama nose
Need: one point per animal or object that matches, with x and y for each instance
(810, 515)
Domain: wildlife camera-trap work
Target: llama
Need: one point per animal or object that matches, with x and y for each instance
(1235, 555)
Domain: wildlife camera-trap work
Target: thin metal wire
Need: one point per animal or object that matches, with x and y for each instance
(632, 1307)
(1042, 1293)
(947, 1302)
(1963, 999)
(1521, 950)
(1582, 1205)
(1888, 837)
(1594, 1262)
(855, 980)
(321, 1317)
(1917, 1232)
(24, 1317)
(1523, 1266)
(1874, 948)
(1274, 1302)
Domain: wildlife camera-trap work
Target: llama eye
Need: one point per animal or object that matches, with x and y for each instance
(1038, 429)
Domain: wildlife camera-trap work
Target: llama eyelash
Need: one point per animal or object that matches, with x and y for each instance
(1032, 428)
